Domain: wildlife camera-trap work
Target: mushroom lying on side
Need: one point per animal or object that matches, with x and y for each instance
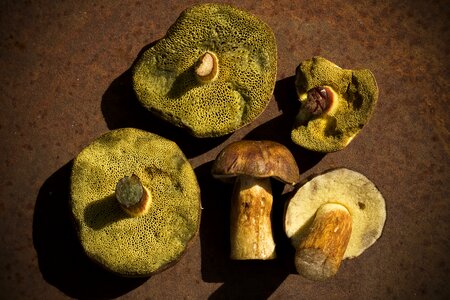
(212, 73)
(254, 163)
(135, 200)
(334, 216)
(336, 104)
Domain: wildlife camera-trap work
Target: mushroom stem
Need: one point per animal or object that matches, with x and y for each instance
(207, 67)
(251, 228)
(133, 197)
(320, 253)
(319, 99)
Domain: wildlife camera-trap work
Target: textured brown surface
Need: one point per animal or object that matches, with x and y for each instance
(260, 159)
(65, 81)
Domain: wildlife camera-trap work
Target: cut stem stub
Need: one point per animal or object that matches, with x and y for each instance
(318, 101)
(251, 227)
(133, 197)
(207, 67)
(320, 253)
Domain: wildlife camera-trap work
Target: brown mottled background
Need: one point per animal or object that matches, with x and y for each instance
(64, 81)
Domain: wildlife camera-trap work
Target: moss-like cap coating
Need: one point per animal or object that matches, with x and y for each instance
(134, 246)
(355, 93)
(164, 76)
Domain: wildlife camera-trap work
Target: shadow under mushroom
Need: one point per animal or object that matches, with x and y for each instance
(279, 128)
(121, 108)
(97, 220)
(252, 278)
(61, 259)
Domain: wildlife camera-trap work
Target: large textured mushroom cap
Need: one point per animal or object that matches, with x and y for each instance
(352, 190)
(354, 93)
(164, 76)
(257, 159)
(143, 245)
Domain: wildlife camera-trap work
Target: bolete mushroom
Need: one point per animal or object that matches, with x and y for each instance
(334, 216)
(212, 73)
(335, 104)
(253, 163)
(135, 200)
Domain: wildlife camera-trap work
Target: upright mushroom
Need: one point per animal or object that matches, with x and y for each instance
(253, 163)
(334, 216)
(336, 104)
(135, 200)
(212, 73)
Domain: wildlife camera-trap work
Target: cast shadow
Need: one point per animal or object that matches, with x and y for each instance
(94, 217)
(279, 128)
(121, 108)
(61, 259)
(251, 279)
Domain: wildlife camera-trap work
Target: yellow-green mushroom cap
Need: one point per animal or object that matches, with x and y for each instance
(126, 245)
(354, 94)
(244, 49)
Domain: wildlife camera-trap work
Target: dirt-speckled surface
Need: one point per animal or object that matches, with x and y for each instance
(65, 81)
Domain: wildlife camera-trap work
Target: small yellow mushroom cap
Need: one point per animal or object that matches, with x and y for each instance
(355, 94)
(142, 245)
(166, 82)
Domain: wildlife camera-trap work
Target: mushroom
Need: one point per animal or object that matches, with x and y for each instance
(253, 163)
(335, 104)
(212, 73)
(135, 200)
(334, 216)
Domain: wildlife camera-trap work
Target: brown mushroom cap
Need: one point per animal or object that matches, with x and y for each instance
(258, 159)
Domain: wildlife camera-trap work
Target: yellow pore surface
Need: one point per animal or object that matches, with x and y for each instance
(134, 246)
(165, 81)
(355, 94)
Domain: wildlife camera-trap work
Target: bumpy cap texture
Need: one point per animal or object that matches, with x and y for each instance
(164, 76)
(349, 188)
(134, 246)
(258, 159)
(355, 93)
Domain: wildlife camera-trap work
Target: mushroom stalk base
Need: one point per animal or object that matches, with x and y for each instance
(140, 208)
(321, 251)
(133, 197)
(251, 228)
(207, 67)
